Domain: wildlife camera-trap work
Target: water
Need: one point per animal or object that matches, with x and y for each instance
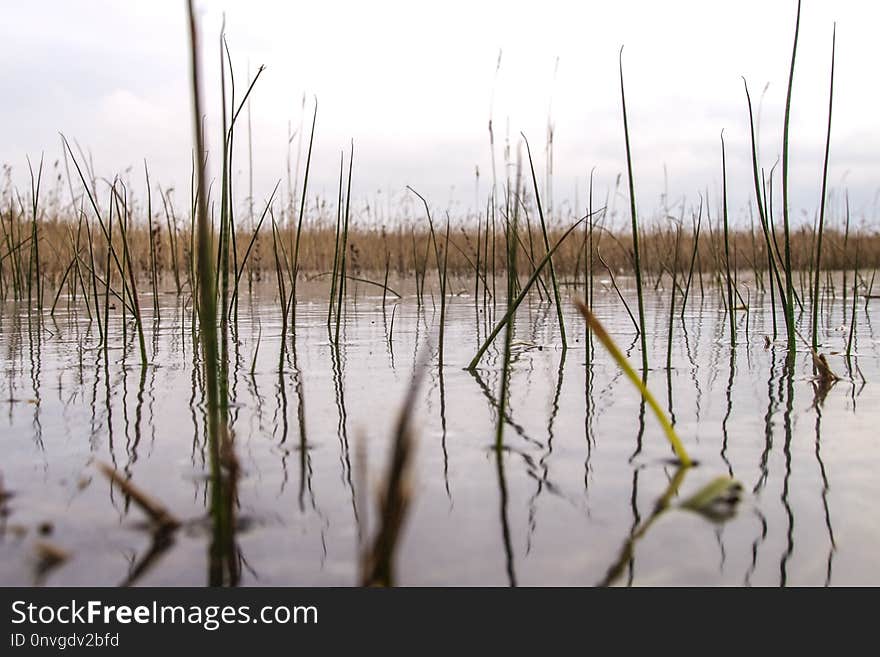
(571, 488)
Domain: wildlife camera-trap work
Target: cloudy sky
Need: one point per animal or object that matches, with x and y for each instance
(412, 83)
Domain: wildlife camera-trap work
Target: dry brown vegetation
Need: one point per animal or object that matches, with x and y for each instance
(405, 248)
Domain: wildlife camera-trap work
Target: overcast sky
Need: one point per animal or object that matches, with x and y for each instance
(412, 84)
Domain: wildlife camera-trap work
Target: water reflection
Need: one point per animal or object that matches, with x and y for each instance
(504, 515)
(278, 504)
(787, 381)
(337, 355)
(543, 464)
(626, 558)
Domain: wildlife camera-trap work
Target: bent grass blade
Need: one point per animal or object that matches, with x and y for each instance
(597, 328)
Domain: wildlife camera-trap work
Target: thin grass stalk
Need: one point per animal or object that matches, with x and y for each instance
(153, 279)
(789, 289)
(441, 267)
(730, 307)
(635, 228)
(172, 239)
(232, 309)
(764, 206)
(616, 289)
(17, 229)
(672, 302)
(696, 238)
(192, 272)
(230, 246)
(336, 243)
(477, 267)
(486, 258)
(19, 264)
(104, 229)
(282, 290)
(622, 362)
(589, 272)
(443, 281)
(547, 247)
(302, 208)
(34, 261)
(10, 250)
(344, 246)
(247, 253)
(79, 275)
(94, 283)
(224, 246)
(122, 218)
(852, 317)
(222, 271)
(821, 228)
(107, 273)
(61, 285)
(126, 259)
(385, 281)
(511, 225)
(519, 299)
(250, 148)
(772, 271)
(845, 243)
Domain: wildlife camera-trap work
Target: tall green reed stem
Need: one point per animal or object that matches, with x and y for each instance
(546, 246)
(821, 228)
(789, 287)
(205, 263)
(302, 210)
(637, 265)
(511, 227)
(730, 312)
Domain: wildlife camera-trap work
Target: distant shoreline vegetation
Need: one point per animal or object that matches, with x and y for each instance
(405, 245)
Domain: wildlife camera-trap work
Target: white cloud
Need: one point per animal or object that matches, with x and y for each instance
(412, 84)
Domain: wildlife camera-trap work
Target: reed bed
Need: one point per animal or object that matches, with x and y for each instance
(371, 249)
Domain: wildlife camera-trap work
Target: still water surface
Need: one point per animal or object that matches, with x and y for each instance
(582, 472)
